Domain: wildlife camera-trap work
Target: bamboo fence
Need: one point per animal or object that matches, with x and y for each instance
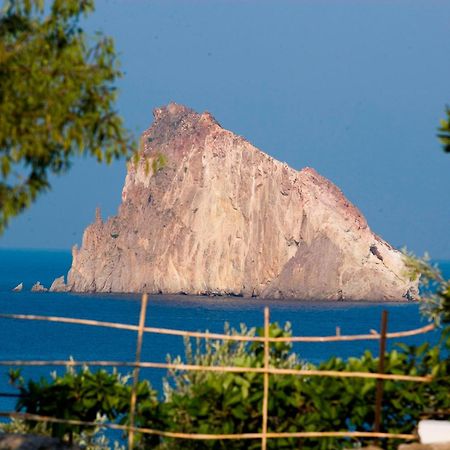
(267, 370)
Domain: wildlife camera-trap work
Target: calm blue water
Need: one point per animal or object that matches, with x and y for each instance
(42, 340)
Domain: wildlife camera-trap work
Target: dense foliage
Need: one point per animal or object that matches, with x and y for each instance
(57, 96)
(196, 402)
(435, 290)
(232, 403)
(444, 132)
(83, 395)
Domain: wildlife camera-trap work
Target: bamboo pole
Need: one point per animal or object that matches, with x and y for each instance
(136, 370)
(265, 406)
(232, 369)
(381, 359)
(205, 436)
(174, 332)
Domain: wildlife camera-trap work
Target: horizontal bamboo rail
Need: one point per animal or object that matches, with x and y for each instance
(203, 436)
(229, 337)
(232, 369)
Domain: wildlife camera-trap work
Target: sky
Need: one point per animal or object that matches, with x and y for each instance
(353, 88)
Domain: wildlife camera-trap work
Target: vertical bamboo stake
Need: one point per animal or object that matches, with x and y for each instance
(136, 369)
(379, 391)
(266, 379)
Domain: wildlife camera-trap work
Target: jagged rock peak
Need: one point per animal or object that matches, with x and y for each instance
(173, 113)
(173, 121)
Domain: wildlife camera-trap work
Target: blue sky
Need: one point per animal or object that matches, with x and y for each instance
(354, 89)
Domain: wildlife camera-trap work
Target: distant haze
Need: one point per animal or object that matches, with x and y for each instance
(354, 89)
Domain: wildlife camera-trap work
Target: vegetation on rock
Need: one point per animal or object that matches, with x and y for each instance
(444, 132)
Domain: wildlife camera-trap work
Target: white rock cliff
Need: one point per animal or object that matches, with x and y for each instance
(205, 212)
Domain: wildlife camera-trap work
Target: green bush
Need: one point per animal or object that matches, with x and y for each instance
(232, 403)
(214, 402)
(82, 395)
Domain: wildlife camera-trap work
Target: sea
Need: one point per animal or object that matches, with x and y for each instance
(37, 340)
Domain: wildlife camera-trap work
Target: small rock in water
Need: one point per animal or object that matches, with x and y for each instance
(18, 288)
(38, 287)
(58, 285)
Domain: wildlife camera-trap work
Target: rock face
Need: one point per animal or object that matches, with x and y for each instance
(205, 212)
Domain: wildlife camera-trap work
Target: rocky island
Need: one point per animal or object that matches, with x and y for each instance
(205, 212)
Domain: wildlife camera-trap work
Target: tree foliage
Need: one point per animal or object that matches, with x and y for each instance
(435, 290)
(444, 132)
(82, 395)
(57, 96)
